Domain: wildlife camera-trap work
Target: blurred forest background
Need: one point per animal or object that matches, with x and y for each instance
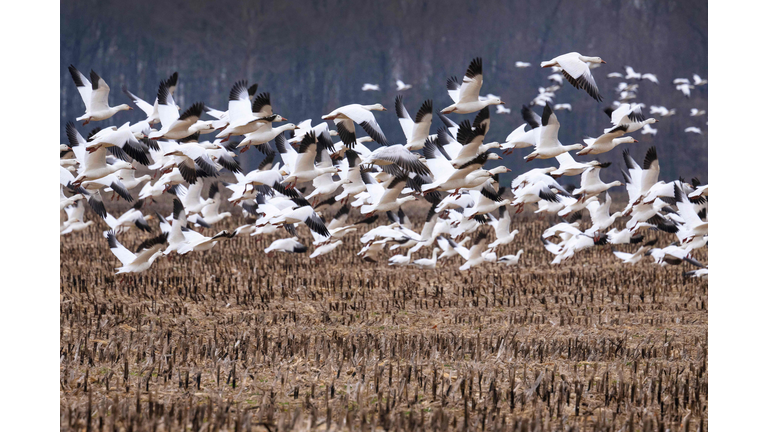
(314, 56)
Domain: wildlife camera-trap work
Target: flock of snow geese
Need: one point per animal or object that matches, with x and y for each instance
(449, 173)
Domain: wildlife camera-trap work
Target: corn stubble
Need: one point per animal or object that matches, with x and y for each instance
(233, 340)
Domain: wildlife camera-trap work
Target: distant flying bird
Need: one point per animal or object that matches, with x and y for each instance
(662, 111)
(681, 81)
(500, 109)
(650, 77)
(576, 71)
(556, 78)
(565, 106)
(647, 129)
(369, 87)
(695, 112)
(685, 88)
(698, 81)
(631, 74)
(615, 75)
(401, 86)
(693, 129)
(520, 64)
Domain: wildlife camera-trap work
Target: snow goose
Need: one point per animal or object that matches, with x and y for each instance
(210, 211)
(93, 188)
(467, 176)
(474, 256)
(648, 129)
(74, 220)
(188, 158)
(624, 236)
(118, 141)
(371, 87)
(601, 215)
(354, 177)
(637, 256)
(487, 200)
(346, 117)
(536, 190)
(650, 77)
(175, 125)
(303, 213)
(685, 89)
(400, 260)
(502, 227)
(417, 130)
(290, 245)
(145, 255)
(129, 179)
(325, 249)
(569, 166)
(607, 141)
(662, 111)
(591, 184)
(520, 138)
(427, 263)
(502, 110)
(150, 110)
(693, 129)
(565, 106)
(472, 143)
(92, 165)
(695, 112)
(402, 86)
(703, 272)
(522, 64)
(510, 260)
(694, 226)
(385, 197)
(466, 93)
(556, 77)
(615, 75)
(630, 115)
(132, 217)
(324, 184)
(697, 81)
(265, 133)
(196, 242)
(548, 146)
(631, 74)
(95, 95)
(398, 155)
(305, 169)
(244, 116)
(673, 254)
(65, 201)
(575, 69)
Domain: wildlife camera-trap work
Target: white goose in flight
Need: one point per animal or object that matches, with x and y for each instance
(346, 117)
(466, 93)
(145, 255)
(576, 69)
(95, 95)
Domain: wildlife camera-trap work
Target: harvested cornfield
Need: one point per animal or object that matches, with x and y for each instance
(231, 339)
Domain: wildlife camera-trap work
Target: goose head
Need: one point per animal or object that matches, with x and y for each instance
(123, 107)
(494, 101)
(573, 147)
(499, 170)
(375, 107)
(624, 140)
(588, 59)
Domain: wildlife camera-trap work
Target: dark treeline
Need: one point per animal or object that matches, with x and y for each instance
(313, 56)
